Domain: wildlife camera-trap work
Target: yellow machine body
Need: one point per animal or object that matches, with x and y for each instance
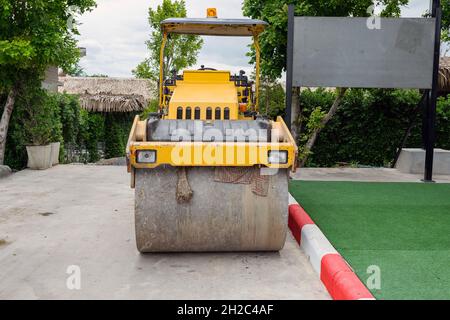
(220, 215)
(201, 91)
(212, 154)
(210, 96)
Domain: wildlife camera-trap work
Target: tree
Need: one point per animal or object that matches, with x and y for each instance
(317, 122)
(181, 50)
(273, 41)
(34, 34)
(271, 98)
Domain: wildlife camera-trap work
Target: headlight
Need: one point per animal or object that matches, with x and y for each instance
(278, 157)
(146, 156)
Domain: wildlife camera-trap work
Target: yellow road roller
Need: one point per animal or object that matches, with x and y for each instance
(210, 172)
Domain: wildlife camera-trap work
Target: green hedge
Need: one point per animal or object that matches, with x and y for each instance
(273, 96)
(35, 120)
(117, 131)
(370, 125)
(85, 132)
(81, 133)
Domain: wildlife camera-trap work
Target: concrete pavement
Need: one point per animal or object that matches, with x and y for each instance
(82, 216)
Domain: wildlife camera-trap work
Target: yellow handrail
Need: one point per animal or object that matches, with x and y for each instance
(258, 62)
(161, 71)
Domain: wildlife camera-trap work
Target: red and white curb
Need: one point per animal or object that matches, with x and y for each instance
(335, 273)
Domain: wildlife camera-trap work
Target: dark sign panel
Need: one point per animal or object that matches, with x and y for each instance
(356, 53)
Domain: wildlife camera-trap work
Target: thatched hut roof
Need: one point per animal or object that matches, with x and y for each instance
(444, 75)
(110, 94)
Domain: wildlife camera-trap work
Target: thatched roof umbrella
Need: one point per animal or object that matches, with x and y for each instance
(444, 75)
(110, 94)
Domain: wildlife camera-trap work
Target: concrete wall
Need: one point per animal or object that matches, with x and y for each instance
(413, 161)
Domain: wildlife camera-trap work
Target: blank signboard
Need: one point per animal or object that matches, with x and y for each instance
(344, 52)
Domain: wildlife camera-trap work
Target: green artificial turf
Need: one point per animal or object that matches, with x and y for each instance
(403, 228)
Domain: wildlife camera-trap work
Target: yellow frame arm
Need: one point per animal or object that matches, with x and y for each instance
(161, 71)
(258, 62)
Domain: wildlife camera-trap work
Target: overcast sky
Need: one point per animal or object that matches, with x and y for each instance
(115, 32)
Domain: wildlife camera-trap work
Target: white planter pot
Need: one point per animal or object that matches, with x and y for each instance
(39, 157)
(55, 152)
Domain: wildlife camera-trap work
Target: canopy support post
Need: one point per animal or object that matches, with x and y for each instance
(161, 72)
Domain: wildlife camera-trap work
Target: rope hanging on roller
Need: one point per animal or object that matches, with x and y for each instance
(184, 190)
(243, 175)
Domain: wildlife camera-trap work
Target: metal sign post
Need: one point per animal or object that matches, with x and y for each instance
(290, 65)
(430, 114)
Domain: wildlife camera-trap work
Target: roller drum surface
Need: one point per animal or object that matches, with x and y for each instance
(219, 217)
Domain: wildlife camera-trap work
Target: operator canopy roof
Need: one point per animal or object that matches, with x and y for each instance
(214, 27)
